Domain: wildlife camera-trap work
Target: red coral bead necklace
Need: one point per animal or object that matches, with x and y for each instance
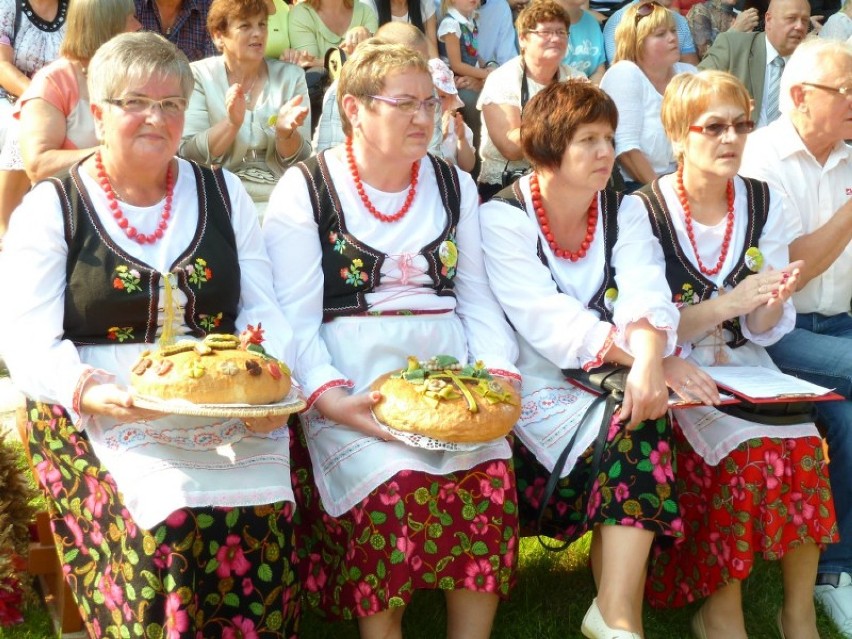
(117, 213)
(359, 186)
(690, 232)
(541, 214)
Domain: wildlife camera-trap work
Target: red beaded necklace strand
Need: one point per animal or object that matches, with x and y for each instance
(541, 214)
(359, 186)
(130, 231)
(690, 233)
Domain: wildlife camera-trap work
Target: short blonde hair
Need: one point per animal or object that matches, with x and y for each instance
(364, 73)
(689, 94)
(631, 32)
(91, 23)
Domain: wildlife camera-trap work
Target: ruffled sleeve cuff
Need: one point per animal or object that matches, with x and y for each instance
(501, 367)
(73, 404)
(785, 324)
(663, 318)
(600, 339)
(321, 379)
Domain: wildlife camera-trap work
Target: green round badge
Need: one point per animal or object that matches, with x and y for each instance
(754, 259)
(448, 253)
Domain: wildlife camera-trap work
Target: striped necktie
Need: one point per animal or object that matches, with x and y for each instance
(776, 68)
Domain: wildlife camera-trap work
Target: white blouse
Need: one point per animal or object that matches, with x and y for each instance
(528, 293)
(162, 467)
(294, 245)
(639, 104)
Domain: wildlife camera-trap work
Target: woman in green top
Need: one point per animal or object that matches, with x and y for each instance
(315, 26)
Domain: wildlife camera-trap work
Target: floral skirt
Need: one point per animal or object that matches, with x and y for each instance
(635, 485)
(415, 531)
(204, 572)
(768, 496)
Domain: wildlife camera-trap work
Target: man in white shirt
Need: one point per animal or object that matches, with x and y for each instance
(803, 155)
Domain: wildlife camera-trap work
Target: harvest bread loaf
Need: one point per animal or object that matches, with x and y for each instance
(221, 369)
(444, 400)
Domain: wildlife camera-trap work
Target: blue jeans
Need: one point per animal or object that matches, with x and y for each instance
(819, 350)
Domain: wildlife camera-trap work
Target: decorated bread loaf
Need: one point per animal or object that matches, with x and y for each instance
(442, 399)
(221, 369)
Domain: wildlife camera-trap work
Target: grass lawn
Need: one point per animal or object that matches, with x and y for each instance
(552, 595)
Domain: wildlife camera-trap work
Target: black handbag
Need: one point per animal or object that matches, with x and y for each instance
(772, 414)
(609, 382)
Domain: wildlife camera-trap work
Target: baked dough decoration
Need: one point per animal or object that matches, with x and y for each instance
(441, 399)
(220, 369)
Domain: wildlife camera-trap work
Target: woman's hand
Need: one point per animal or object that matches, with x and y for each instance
(113, 401)
(458, 123)
(353, 38)
(645, 394)
(302, 58)
(265, 424)
(235, 105)
(768, 288)
(746, 21)
(291, 115)
(690, 382)
(353, 411)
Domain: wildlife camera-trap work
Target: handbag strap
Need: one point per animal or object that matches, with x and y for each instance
(610, 402)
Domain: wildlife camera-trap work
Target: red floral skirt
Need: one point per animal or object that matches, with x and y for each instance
(768, 496)
(415, 531)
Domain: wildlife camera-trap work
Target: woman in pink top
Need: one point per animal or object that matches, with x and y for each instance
(56, 127)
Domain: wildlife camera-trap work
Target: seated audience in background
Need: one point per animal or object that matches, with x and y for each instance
(420, 13)
(247, 113)
(688, 52)
(56, 124)
(396, 221)
(710, 18)
(181, 22)
(727, 267)
(459, 33)
(498, 41)
(646, 59)
(315, 26)
(278, 40)
(585, 41)
(543, 36)
(456, 136)
(803, 155)
(133, 492)
(839, 25)
(758, 58)
(555, 246)
(28, 41)
(329, 131)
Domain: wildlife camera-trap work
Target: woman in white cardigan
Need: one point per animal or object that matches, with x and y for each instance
(247, 114)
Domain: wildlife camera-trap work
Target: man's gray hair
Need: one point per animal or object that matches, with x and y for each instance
(806, 63)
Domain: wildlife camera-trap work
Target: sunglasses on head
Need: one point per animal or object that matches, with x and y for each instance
(645, 9)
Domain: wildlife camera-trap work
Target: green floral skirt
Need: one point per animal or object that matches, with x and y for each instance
(203, 572)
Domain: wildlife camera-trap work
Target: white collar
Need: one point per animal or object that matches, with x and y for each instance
(470, 23)
(772, 53)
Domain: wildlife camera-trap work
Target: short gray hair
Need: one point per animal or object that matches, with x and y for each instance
(132, 59)
(805, 64)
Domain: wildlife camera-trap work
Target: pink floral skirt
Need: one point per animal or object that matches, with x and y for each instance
(415, 531)
(767, 497)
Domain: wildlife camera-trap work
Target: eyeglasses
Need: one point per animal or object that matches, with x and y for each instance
(545, 34)
(645, 9)
(141, 104)
(716, 129)
(410, 106)
(845, 91)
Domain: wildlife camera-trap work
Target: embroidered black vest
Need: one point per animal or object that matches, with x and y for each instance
(111, 296)
(687, 283)
(608, 216)
(352, 268)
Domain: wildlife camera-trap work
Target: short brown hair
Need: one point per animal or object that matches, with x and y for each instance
(630, 34)
(689, 94)
(541, 11)
(552, 117)
(222, 12)
(364, 73)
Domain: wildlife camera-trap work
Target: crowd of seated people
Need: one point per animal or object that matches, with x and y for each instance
(667, 94)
